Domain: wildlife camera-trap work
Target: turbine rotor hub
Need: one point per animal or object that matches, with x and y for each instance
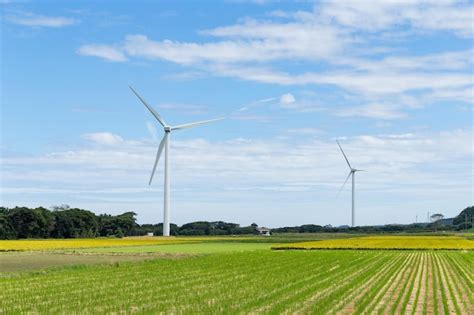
(167, 129)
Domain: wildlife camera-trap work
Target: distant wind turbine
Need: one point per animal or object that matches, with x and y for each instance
(165, 143)
(351, 173)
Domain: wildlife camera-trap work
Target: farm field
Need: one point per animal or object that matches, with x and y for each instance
(195, 248)
(54, 244)
(209, 275)
(260, 281)
(36, 260)
(387, 242)
(48, 244)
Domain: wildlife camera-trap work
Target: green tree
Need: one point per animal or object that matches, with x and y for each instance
(6, 229)
(31, 223)
(74, 223)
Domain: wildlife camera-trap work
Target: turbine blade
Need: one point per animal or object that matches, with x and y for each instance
(152, 111)
(344, 154)
(342, 187)
(194, 124)
(158, 154)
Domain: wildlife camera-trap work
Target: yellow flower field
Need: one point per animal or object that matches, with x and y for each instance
(46, 244)
(386, 242)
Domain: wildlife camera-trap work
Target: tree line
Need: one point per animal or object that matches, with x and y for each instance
(65, 222)
(464, 220)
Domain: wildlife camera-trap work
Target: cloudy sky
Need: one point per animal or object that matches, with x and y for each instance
(393, 80)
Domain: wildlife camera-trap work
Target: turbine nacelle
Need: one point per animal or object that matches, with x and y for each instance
(167, 128)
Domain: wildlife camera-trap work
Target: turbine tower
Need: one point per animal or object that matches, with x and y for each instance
(351, 173)
(165, 144)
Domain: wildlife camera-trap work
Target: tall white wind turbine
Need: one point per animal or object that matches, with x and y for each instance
(351, 173)
(165, 144)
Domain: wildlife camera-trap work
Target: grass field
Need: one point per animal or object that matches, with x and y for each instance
(387, 242)
(231, 275)
(254, 282)
(198, 248)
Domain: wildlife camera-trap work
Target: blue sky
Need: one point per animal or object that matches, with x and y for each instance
(392, 80)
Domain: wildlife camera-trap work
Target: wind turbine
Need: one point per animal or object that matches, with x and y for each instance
(165, 144)
(351, 173)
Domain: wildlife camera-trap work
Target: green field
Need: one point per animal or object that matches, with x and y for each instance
(200, 248)
(236, 277)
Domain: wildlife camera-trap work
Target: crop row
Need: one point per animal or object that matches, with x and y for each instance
(254, 282)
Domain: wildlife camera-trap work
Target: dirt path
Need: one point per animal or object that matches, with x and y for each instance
(23, 261)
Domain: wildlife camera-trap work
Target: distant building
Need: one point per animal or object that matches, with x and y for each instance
(264, 231)
(149, 234)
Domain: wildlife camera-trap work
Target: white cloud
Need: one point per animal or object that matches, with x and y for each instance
(452, 60)
(347, 44)
(287, 99)
(251, 177)
(104, 138)
(369, 83)
(250, 49)
(229, 162)
(382, 15)
(378, 111)
(103, 51)
(29, 19)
